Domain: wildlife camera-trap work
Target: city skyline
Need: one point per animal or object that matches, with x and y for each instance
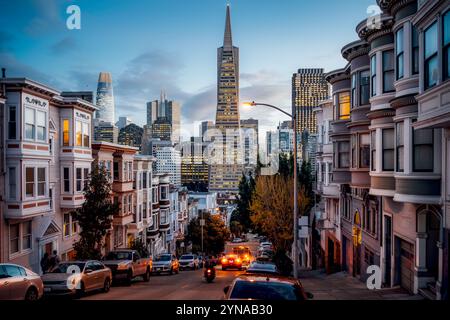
(188, 75)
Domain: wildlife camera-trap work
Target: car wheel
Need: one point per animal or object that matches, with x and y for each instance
(129, 277)
(31, 295)
(147, 275)
(224, 268)
(106, 285)
(80, 292)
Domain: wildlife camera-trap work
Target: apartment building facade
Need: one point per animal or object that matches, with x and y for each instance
(390, 138)
(46, 160)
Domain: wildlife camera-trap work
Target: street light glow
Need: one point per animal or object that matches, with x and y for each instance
(249, 104)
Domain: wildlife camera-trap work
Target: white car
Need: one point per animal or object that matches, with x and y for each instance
(189, 261)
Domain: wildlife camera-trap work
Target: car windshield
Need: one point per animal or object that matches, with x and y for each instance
(187, 257)
(265, 291)
(71, 267)
(119, 255)
(163, 258)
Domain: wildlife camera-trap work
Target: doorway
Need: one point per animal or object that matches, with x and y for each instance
(387, 250)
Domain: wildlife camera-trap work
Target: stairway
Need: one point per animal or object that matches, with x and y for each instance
(429, 292)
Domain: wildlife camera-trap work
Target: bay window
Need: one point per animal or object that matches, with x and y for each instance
(14, 240)
(41, 125)
(66, 178)
(343, 106)
(12, 183)
(343, 155)
(354, 90)
(85, 177)
(373, 75)
(364, 150)
(30, 127)
(29, 182)
(431, 56)
(78, 134)
(373, 145)
(423, 150)
(26, 235)
(388, 71)
(66, 130)
(130, 202)
(446, 43)
(364, 84)
(12, 123)
(354, 151)
(388, 149)
(66, 225)
(41, 182)
(79, 179)
(400, 145)
(82, 134)
(415, 51)
(20, 237)
(399, 51)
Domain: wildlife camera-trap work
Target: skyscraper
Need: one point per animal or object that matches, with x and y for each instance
(105, 98)
(226, 172)
(168, 109)
(309, 88)
(250, 134)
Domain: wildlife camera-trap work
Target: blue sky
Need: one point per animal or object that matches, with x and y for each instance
(150, 45)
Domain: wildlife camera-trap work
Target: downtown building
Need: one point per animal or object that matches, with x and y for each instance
(250, 143)
(165, 115)
(227, 164)
(194, 166)
(391, 151)
(104, 127)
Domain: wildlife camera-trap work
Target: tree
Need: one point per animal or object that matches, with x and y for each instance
(215, 234)
(272, 208)
(236, 228)
(242, 212)
(95, 215)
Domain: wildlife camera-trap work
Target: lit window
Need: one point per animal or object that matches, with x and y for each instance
(431, 56)
(78, 134)
(388, 71)
(399, 47)
(388, 149)
(29, 185)
(66, 126)
(344, 106)
(423, 150)
(85, 129)
(400, 147)
(66, 225)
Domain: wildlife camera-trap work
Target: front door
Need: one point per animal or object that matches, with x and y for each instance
(407, 265)
(433, 232)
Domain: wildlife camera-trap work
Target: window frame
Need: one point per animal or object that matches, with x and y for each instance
(66, 133)
(340, 96)
(384, 149)
(414, 145)
(373, 76)
(362, 85)
(445, 47)
(388, 71)
(432, 57)
(399, 145)
(12, 123)
(400, 53)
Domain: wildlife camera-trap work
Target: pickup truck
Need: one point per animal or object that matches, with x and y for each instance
(127, 264)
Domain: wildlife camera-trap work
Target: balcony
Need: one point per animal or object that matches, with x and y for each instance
(27, 209)
(434, 107)
(423, 189)
(123, 219)
(153, 233)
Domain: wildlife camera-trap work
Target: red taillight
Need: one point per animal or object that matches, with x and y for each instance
(224, 260)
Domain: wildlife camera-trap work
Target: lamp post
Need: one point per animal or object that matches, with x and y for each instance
(295, 226)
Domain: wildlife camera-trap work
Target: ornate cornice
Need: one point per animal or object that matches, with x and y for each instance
(383, 113)
(403, 101)
(355, 49)
(393, 6)
(381, 26)
(338, 75)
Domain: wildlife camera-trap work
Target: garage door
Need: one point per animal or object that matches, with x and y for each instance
(407, 265)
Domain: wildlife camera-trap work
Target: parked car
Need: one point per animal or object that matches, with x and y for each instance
(265, 287)
(189, 261)
(77, 277)
(166, 263)
(231, 261)
(19, 283)
(257, 267)
(127, 264)
(263, 258)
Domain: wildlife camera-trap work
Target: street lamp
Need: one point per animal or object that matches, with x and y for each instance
(294, 126)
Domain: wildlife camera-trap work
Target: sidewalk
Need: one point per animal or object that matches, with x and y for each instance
(341, 286)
